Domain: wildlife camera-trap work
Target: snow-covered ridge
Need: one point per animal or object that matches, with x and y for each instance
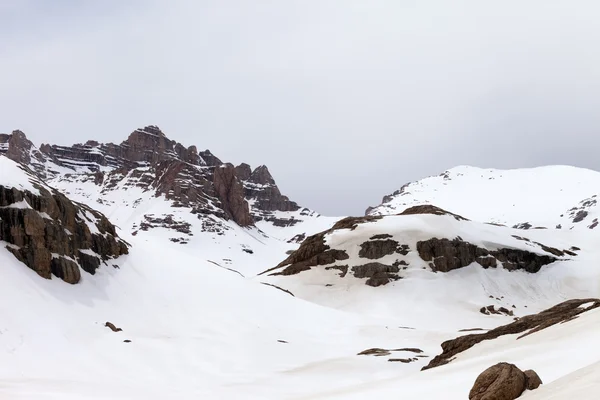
(14, 175)
(558, 197)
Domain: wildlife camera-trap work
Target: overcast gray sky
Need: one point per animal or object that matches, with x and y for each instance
(345, 100)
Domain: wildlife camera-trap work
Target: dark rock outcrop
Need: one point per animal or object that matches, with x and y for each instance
(526, 325)
(52, 235)
(446, 255)
(311, 253)
(231, 193)
(489, 310)
(430, 209)
(502, 381)
(374, 249)
(378, 274)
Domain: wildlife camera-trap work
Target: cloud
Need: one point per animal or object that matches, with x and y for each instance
(345, 101)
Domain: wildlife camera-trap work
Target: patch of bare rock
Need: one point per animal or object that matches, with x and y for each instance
(503, 381)
(527, 325)
(430, 209)
(446, 255)
(490, 310)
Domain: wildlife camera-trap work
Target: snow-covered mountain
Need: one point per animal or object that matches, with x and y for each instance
(560, 197)
(149, 182)
(207, 282)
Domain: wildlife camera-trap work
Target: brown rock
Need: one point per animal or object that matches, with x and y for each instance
(243, 171)
(430, 209)
(378, 274)
(502, 381)
(112, 327)
(452, 254)
(66, 270)
(529, 324)
(532, 380)
(231, 193)
(374, 249)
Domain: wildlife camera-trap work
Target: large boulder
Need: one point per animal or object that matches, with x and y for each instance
(502, 381)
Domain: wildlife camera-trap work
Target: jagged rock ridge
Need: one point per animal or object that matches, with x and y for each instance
(185, 176)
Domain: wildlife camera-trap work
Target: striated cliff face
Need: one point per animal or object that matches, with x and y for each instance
(149, 160)
(51, 234)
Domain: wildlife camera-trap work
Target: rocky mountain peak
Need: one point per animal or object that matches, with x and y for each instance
(16, 146)
(150, 160)
(243, 171)
(262, 176)
(151, 145)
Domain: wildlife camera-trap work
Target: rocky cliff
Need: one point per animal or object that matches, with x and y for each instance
(48, 232)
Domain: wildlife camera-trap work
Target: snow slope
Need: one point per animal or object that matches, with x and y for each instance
(557, 354)
(203, 324)
(421, 289)
(13, 175)
(543, 197)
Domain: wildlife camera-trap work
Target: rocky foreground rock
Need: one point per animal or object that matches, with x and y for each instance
(503, 381)
(53, 235)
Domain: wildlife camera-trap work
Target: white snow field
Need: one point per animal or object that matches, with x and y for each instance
(544, 196)
(203, 325)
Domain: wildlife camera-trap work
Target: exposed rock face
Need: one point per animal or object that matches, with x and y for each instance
(52, 235)
(446, 255)
(378, 274)
(311, 253)
(502, 381)
(243, 171)
(231, 193)
(375, 249)
(18, 148)
(530, 324)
